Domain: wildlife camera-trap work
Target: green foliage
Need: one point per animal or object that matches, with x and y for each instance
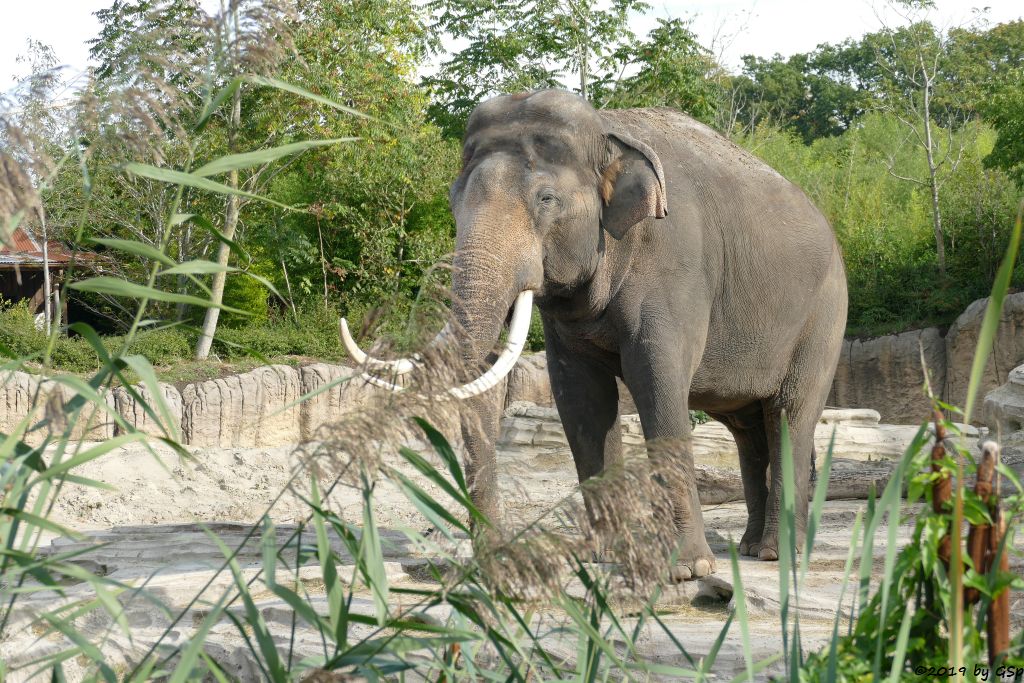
(673, 70)
(1006, 112)
(378, 217)
(535, 337)
(313, 335)
(247, 295)
(919, 603)
(884, 224)
(811, 94)
(580, 44)
(161, 347)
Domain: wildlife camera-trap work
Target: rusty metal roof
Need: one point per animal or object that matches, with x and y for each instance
(24, 250)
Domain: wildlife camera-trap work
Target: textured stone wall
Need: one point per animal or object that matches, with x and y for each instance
(258, 408)
(885, 373)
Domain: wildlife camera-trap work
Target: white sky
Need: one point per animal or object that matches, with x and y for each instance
(734, 27)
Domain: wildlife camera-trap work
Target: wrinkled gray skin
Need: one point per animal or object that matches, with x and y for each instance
(733, 303)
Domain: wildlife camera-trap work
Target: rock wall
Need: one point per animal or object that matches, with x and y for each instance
(885, 373)
(259, 408)
(882, 374)
(35, 408)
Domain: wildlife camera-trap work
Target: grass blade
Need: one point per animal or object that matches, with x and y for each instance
(172, 177)
(993, 311)
(112, 286)
(741, 611)
(371, 559)
(232, 162)
(302, 92)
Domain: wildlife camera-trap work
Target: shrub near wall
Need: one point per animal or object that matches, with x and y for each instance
(884, 224)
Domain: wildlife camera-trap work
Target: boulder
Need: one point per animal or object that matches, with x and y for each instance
(962, 341)
(528, 381)
(885, 374)
(1004, 407)
(247, 410)
(133, 413)
(858, 435)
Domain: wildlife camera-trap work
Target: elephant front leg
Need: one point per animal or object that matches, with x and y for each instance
(661, 399)
(587, 398)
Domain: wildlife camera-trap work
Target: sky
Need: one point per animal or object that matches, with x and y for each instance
(732, 28)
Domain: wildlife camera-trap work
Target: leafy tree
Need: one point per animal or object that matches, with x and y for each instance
(1005, 111)
(982, 62)
(32, 135)
(913, 60)
(378, 214)
(573, 44)
(816, 94)
(672, 69)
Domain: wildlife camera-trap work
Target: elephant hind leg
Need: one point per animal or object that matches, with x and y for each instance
(747, 428)
(801, 424)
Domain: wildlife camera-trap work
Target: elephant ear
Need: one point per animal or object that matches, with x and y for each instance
(632, 185)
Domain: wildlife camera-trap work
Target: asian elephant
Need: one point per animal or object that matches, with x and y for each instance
(657, 252)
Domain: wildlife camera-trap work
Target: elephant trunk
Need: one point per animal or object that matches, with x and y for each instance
(482, 294)
(481, 302)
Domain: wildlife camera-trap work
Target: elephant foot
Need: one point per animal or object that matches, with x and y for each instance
(695, 561)
(750, 544)
(768, 549)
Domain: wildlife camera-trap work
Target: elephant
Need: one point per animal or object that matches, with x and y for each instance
(657, 252)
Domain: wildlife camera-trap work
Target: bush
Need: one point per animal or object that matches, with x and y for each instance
(884, 224)
(246, 294)
(18, 333)
(314, 334)
(161, 347)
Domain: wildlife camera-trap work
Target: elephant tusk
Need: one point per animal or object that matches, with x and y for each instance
(400, 366)
(517, 331)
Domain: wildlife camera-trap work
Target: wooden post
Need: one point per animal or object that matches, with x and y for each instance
(978, 536)
(999, 610)
(942, 489)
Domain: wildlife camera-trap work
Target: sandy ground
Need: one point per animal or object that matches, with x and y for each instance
(154, 530)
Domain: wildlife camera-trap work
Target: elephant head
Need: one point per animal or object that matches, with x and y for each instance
(544, 182)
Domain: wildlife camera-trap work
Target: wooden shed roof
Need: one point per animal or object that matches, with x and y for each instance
(25, 251)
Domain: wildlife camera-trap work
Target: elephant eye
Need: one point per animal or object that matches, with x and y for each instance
(548, 199)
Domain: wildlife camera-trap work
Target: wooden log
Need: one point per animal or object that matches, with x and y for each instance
(999, 610)
(850, 479)
(998, 557)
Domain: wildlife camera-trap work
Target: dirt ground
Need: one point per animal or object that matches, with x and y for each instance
(153, 528)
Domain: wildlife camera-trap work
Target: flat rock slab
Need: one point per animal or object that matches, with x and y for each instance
(156, 529)
(176, 560)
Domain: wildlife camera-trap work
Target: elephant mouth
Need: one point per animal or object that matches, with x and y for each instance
(518, 322)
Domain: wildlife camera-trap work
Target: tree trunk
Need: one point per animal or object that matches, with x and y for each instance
(47, 285)
(933, 181)
(223, 251)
